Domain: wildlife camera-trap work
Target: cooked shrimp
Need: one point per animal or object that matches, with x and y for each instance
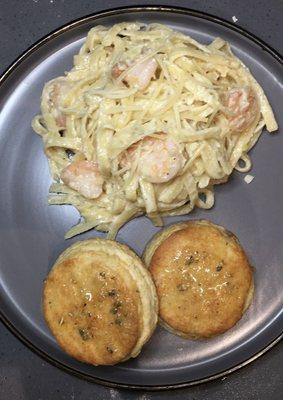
(242, 108)
(158, 160)
(118, 68)
(56, 93)
(84, 177)
(139, 75)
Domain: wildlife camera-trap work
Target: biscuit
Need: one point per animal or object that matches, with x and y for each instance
(203, 278)
(100, 302)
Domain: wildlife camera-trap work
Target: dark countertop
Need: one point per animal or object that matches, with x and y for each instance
(23, 375)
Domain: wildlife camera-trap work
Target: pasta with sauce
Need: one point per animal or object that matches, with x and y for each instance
(147, 122)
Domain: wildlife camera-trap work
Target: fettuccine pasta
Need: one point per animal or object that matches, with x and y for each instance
(147, 121)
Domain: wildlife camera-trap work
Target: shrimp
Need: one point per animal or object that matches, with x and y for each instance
(158, 160)
(139, 75)
(84, 177)
(56, 92)
(117, 69)
(242, 108)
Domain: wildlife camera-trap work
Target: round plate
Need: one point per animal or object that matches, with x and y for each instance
(32, 233)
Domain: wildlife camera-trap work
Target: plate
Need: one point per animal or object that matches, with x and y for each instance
(32, 233)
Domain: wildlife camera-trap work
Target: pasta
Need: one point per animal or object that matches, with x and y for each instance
(147, 121)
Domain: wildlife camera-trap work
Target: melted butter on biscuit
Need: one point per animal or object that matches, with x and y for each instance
(202, 282)
(98, 308)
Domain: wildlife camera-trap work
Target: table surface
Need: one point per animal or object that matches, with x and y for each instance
(24, 375)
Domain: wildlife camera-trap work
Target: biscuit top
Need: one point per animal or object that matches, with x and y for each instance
(203, 278)
(92, 305)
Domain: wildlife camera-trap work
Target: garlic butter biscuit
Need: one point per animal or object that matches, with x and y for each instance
(203, 278)
(100, 302)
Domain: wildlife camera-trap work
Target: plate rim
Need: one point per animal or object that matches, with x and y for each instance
(5, 75)
(112, 11)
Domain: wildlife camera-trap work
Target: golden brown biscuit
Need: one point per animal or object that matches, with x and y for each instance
(203, 278)
(100, 302)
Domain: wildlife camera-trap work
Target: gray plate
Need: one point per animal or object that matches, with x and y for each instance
(32, 233)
